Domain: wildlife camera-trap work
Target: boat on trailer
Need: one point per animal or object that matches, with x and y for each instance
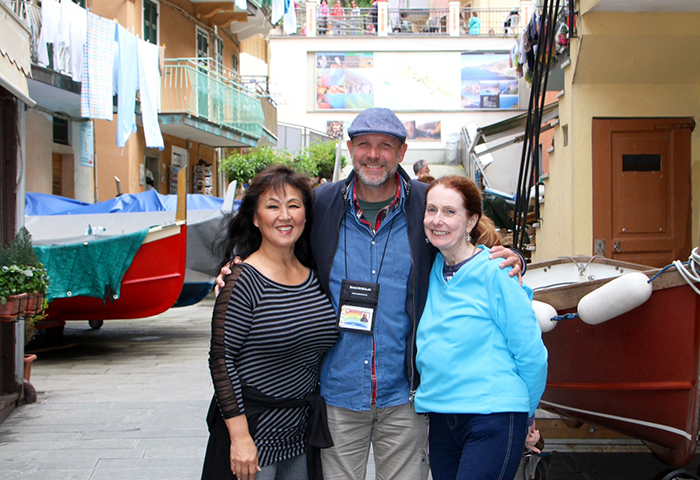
(631, 366)
(152, 276)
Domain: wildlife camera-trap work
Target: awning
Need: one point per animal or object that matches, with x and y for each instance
(511, 126)
(15, 56)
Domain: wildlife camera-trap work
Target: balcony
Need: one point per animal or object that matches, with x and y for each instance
(413, 21)
(201, 100)
(205, 102)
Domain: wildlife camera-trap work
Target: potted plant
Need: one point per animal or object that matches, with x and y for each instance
(23, 279)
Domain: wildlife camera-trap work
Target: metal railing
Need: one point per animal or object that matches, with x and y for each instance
(491, 21)
(297, 138)
(192, 86)
(30, 14)
(413, 21)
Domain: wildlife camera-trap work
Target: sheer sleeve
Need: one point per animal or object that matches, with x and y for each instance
(230, 324)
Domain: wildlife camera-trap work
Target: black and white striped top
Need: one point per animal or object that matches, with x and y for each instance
(273, 337)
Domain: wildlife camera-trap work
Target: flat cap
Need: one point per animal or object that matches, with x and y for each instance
(377, 120)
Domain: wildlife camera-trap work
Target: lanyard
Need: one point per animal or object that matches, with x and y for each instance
(386, 244)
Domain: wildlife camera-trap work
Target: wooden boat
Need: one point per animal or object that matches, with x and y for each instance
(133, 211)
(153, 280)
(636, 373)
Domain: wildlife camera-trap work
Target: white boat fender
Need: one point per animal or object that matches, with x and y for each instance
(544, 313)
(616, 297)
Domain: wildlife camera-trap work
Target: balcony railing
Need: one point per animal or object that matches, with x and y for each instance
(411, 21)
(193, 86)
(30, 14)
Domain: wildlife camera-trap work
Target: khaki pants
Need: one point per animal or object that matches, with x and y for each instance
(398, 435)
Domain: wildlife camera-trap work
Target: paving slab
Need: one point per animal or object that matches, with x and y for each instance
(129, 401)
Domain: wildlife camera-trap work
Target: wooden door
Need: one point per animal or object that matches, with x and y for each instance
(641, 189)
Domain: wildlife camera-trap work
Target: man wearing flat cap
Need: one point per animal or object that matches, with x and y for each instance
(367, 235)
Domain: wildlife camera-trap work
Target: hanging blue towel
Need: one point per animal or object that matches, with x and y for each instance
(128, 81)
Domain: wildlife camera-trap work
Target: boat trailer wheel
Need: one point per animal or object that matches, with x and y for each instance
(679, 474)
(96, 324)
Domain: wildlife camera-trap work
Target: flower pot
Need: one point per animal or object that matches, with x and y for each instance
(16, 305)
(34, 303)
(28, 359)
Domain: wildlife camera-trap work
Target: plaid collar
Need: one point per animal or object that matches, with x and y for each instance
(359, 212)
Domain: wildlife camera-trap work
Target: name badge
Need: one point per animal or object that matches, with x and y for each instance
(358, 306)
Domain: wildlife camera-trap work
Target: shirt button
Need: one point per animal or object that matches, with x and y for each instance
(366, 362)
(374, 272)
(373, 242)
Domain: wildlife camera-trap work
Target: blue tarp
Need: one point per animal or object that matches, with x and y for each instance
(150, 201)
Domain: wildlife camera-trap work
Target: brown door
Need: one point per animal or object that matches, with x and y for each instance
(641, 189)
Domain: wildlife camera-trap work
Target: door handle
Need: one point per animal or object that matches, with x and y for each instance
(617, 247)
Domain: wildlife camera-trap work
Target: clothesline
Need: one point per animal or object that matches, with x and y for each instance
(107, 59)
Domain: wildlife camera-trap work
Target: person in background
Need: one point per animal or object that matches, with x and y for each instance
(323, 13)
(425, 178)
(421, 168)
(474, 26)
(272, 324)
(373, 15)
(355, 14)
(482, 362)
(337, 17)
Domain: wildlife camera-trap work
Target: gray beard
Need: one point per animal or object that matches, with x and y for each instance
(378, 182)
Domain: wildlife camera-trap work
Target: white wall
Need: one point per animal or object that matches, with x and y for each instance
(292, 77)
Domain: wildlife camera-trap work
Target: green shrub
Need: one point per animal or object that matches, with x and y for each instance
(317, 161)
(20, 268)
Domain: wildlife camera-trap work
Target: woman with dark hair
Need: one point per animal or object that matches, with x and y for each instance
(482, 362)
(271, 326)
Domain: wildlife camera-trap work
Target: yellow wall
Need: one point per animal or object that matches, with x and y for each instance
(649, 86)
(179, 35)
(39, 132)
(257, 47)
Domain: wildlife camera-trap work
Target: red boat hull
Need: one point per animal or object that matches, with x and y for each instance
(150, 286)
(637, 373)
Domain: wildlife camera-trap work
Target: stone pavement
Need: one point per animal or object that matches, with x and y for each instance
(124, 402)
(128, 402)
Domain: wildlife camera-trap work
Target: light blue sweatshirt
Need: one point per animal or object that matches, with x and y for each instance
(479, 344)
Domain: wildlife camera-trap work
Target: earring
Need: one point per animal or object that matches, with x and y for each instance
(469, 238)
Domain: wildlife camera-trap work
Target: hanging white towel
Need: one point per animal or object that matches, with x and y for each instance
(61, 44)
(277, 11)
(50, 15)
(78, 37)
(128, 81)
(290, 20)
(149, 93)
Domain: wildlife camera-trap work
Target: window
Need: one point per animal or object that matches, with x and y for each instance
(80, 2)
(150, 21)
(219, 54)
(235, 63)
(60, 131)
(202, 45)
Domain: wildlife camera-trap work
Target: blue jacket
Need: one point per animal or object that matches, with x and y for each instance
(329, 208)
(484, 354)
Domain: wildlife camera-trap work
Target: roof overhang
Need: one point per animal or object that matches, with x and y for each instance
(183, 125)
(257, 23)
(221, 14)
(55, 91)
(15, 57)
(640, 6)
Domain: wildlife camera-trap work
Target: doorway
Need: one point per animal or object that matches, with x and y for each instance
(641, 189)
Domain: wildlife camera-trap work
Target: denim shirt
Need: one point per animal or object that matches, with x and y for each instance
(346, 375)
